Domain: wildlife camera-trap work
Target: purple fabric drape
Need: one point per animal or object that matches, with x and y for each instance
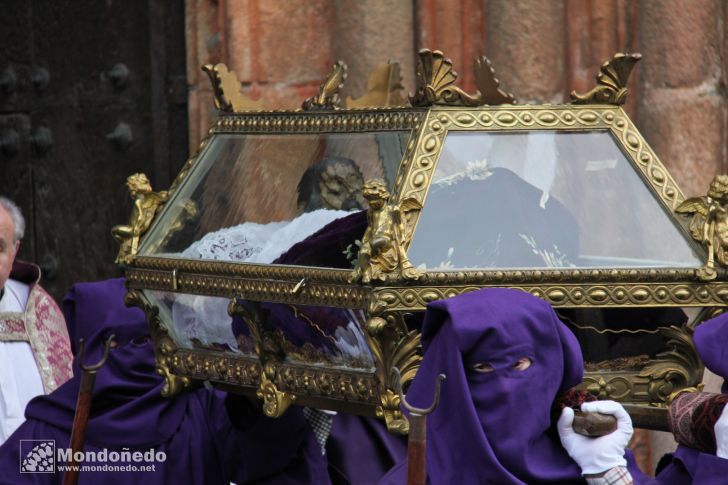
(326, 247)
(207, 437)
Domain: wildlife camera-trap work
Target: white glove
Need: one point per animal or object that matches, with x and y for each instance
(596, 455)
(721, 434)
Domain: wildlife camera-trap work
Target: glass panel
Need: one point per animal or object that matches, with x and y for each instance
(543, 199)
(201, 322)
(317, 335)
(252, 197)
(307, 334)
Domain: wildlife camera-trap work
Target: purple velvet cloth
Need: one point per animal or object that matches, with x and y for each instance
(493, 223)
(207, 437)
(326, 246)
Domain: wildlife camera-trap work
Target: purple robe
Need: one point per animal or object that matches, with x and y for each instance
(360, 450)
(494, 427)
(207, 437)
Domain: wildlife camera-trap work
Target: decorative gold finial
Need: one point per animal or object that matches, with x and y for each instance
(488, 84)
(709, 224)
(611, 81)
(382, 250)
(384, 88)
(435, 83)
(226, 87)
(146, 204)
(328, 97)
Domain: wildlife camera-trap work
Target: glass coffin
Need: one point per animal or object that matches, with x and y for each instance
(293, 256)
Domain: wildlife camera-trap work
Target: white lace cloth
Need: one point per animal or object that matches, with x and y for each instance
(205, 318)
(19, 376)
(260, 243)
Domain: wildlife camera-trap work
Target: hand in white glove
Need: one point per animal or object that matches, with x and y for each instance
(597, 455)
(721, 434)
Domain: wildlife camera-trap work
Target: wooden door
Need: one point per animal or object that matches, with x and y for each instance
(90, 92)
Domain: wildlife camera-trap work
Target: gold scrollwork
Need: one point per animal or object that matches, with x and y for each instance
(275, 402)
(164, 346)
(709, 224)
(611, 81)
(270, 354)
(677, 368)
(226, 88)
(328, 97)
(218, 284)
(488, 85)
(393, 346)
(355, 120)
(243, 270)
(382, 250)
(343, 385)
(567, 296)
(435, 79)
(146, 204)
(384, 88)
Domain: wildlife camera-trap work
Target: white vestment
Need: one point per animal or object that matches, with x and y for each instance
(20, 380)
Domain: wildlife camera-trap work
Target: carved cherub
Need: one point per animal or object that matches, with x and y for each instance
(382, 250)
(146, 204)
(709, 224)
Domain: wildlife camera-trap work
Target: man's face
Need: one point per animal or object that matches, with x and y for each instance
(8, 248)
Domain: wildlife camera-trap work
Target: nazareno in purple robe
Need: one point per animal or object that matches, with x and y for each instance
(494, 427)
(208, 438)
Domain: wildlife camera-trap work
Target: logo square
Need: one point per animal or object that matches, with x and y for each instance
(37, 456)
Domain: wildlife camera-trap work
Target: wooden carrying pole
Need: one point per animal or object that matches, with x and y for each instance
(83, 409)
(417, 440)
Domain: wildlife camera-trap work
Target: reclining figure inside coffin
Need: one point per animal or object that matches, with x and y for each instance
(330, 218)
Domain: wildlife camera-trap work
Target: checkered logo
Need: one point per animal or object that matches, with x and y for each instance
(37, 456)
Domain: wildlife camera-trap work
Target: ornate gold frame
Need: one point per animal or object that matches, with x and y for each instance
(388, 299)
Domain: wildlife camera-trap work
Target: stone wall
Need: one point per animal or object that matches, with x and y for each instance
(282, 49)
